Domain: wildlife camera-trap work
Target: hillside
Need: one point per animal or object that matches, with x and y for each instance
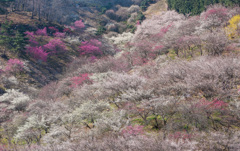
(118, 75)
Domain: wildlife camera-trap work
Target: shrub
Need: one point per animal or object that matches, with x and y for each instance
(100, 30)
(42, 32)
(59, 34)
(79, 24)
(14, 65)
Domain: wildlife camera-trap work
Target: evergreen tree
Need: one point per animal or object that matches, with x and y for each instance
(19, 42)
(11, 41)
(195, 7)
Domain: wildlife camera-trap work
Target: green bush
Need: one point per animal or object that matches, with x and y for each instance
(100, 30)
(140, 16)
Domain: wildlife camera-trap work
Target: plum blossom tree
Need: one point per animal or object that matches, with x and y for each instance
(158, 22)
(16, 100)
(112, 121)
(215, 42)
(118, 84)
(32, 130)
(188, 46)
(215, 16)
(133, 130)
(145, 51)
(165, 108)
(89, 112)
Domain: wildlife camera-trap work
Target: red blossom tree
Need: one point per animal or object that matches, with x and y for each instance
(80, 80)
(215, 104)
(55, 46)
(38, 53)
(133, 130)
(91, 48)
(181, 136)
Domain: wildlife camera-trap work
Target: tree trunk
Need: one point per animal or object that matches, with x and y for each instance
(39, 12)
(33, 9)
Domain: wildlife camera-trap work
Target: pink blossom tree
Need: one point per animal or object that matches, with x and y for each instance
(59, 34)
(42, 32)
(132, 130)
(79, 24)
(52, 30)
(91, 48)
(38, 53)
(31, 38)
(55, 46)
(14, 65)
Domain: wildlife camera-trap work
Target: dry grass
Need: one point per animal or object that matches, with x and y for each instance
(20, 17)
(156, 8)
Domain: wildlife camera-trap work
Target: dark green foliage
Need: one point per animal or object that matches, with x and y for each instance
(6, 35)
(12, 40)
(131, 27)
(2, 90)
(2, 11)
(6, 28)
(195, 7)
(103, 9)
(100, 30)
(19, 42)
(140, 16)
